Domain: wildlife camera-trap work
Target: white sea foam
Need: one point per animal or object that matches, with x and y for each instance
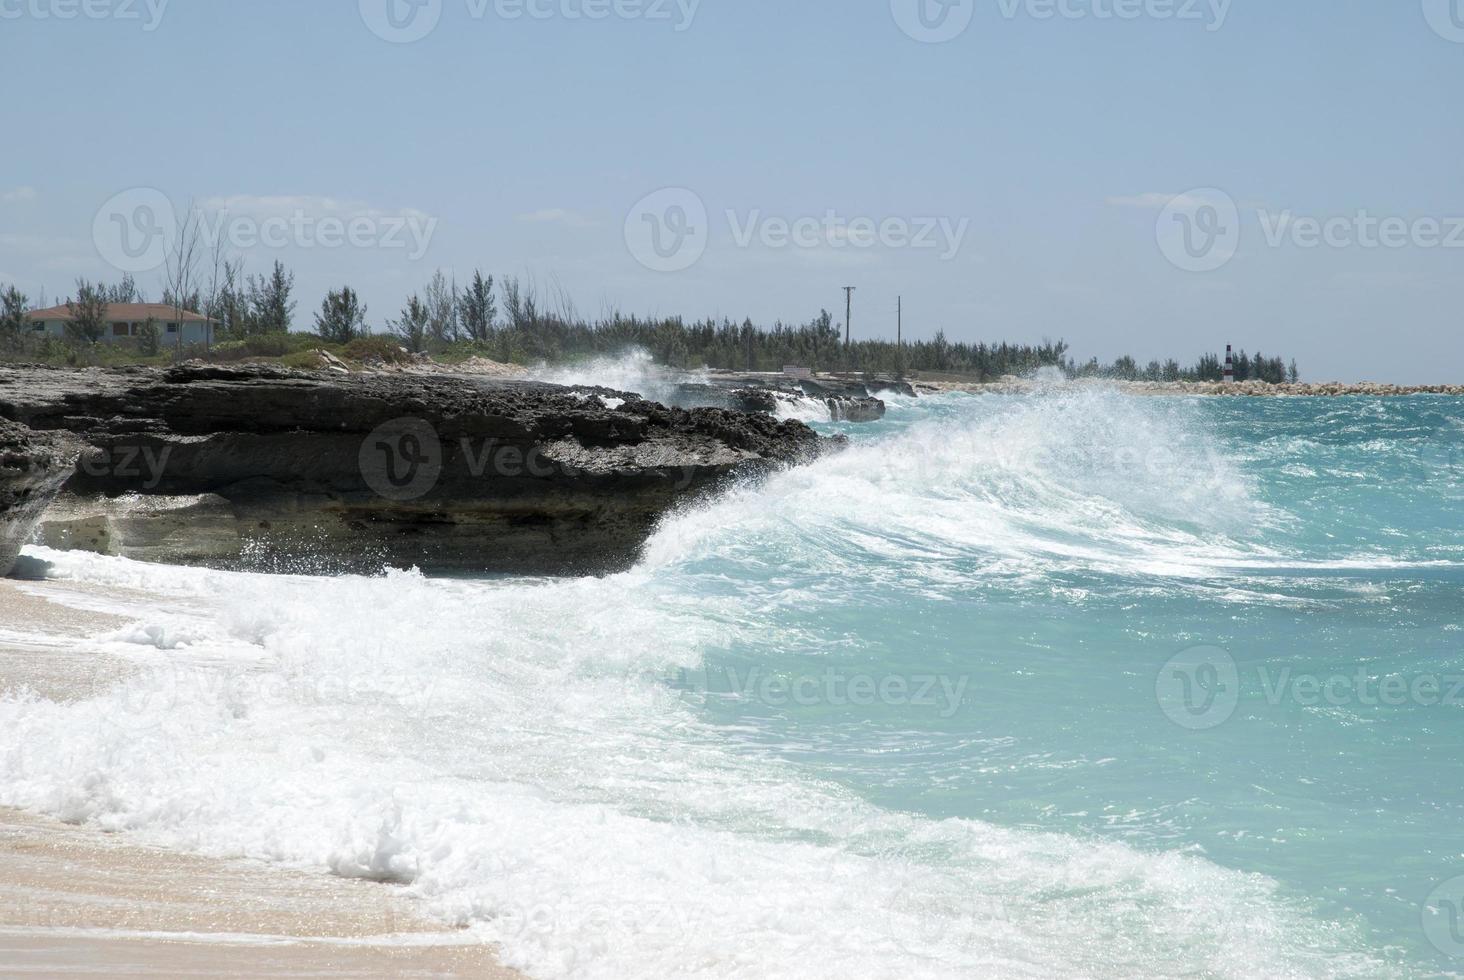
(518, 755)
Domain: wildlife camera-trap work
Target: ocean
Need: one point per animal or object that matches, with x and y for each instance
(1067, 684)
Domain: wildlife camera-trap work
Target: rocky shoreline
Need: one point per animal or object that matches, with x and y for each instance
(271, 469)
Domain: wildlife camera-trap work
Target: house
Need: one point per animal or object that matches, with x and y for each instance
(127, 319)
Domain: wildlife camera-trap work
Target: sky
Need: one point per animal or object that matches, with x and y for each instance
(1153, 177)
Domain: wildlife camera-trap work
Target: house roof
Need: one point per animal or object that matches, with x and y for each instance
(132, 312)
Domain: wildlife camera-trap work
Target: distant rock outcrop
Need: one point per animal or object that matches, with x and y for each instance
(845, 399)
(262, 467)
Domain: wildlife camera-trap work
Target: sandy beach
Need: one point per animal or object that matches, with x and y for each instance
(75, 901)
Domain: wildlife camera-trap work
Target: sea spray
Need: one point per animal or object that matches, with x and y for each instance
(543, 771)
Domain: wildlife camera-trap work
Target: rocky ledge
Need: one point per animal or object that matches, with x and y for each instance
(33, 466)
(847, 399)
(271, 469)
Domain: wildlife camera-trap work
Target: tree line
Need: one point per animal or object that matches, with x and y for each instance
(513, 320)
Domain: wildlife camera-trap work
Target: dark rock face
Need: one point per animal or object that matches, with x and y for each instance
(33, 466)
(268, 468)
(847, 399)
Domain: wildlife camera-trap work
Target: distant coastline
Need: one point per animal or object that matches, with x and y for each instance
(1238, 389)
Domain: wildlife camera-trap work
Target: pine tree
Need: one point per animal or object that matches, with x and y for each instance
(13, 308)
(150, 338)
(477, 309)
(271, 308)
(412, 328)
(88, 311)
(342, 317)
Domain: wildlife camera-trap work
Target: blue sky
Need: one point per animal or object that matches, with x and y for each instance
(1052, 144)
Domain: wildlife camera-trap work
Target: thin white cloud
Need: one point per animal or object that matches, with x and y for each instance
(19, 195)
(556, 216)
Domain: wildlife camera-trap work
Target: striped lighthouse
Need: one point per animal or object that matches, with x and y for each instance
(1229, 364)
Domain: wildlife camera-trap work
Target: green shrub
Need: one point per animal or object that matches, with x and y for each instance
(267, 345)
(384, 349)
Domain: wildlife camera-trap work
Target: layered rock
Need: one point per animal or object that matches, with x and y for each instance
(262, 467)
(847, 399)
(33, 467)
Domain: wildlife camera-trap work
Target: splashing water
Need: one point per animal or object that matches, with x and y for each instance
(898, 713)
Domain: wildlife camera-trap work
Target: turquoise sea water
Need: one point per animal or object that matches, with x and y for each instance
(1070, 684)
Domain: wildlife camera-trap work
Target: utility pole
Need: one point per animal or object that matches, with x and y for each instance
(848, 312)
(848, 315)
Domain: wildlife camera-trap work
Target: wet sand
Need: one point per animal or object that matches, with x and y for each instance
(76, 901)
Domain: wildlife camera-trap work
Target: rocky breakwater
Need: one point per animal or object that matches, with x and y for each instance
(33, 467)
(1243, 389)
(270, 469)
